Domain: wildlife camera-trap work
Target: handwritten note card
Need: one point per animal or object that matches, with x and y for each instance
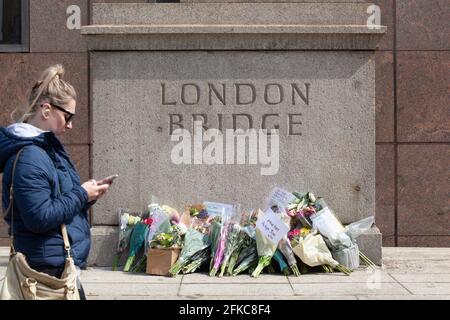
(271, 225)
(280, 198)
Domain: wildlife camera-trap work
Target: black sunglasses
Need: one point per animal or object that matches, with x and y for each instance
(68, 115)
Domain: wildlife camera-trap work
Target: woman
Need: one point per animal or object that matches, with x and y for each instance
(47, 188)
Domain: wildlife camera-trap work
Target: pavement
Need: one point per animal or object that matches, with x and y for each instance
(406, 274)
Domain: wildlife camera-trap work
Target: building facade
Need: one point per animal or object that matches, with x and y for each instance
(412, 102)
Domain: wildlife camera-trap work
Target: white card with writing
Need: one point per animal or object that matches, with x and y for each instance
(279, 197)
(218, 209)
(271, 226)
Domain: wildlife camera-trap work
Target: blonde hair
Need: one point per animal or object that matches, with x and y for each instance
(50, 88)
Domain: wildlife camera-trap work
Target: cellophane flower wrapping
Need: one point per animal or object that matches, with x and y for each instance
(233, 236)
(197, 238)
(127, 221)
(265, 249)
(313, 251)
(222, 239)
(246, 233)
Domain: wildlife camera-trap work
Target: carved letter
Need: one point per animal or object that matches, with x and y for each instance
(222, 97)
(163, 96)
(280, 93)
(238, 93)
(305, 98)
(291, 123)
(183, 93)
(249, 119)
(263, 122)
(204, 120)
(177, 123)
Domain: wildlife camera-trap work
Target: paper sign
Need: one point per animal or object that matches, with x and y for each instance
(272, 227)
(218, 209)
(280, 198)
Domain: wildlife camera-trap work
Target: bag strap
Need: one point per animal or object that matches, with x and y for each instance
(11, 202)
(66, 239)
(11, 208)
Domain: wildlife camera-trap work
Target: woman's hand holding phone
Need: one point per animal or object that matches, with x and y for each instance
(108, 180)
(97, 189)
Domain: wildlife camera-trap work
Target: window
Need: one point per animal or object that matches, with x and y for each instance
(13, 25)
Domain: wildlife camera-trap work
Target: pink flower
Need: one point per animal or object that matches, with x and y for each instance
(293, 233)
(291, 213)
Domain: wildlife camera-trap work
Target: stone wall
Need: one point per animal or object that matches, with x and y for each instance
(412, 99)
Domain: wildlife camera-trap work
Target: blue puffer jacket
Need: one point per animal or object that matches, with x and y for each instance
(47, 193)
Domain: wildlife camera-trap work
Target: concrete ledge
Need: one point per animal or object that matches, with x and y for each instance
(232, 26)
(369, 243)
(230, 29)
(138, 42)
(104, 243)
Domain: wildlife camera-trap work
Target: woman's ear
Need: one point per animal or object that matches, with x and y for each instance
(45, 110)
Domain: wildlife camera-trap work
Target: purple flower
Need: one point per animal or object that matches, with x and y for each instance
(203, 214)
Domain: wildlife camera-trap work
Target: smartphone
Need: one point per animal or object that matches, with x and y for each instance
(112, 178)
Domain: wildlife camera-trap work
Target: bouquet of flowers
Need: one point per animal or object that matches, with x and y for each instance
(161, 222)
(355, 229)
(245, 237)
(266, 249)
(341, 240)
(280, 201)
(170, 239)
(278, 256)
(232, 244)
(216, 225)
(313, 251)
(127, 222)
(344, 247)
(247, 259)
(160, 219)
(136, 242)
(220, 245)
(227, 212)
(301, 209)
(197, 260)
(197, 238)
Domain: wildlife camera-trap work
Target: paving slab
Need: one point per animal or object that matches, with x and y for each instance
(438, 266)
(103, 276)
(264, 278)
(232, 290)
(420, 253)
(337, 289)
(124, 289)
(428, 288)
(418, 277)
(357, 276)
